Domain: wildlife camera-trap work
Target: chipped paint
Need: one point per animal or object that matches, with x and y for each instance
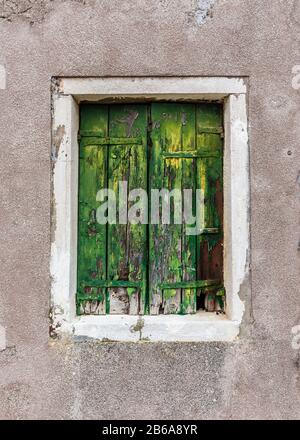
(202, 11)
(63, 211)
(54, 324)
(33, 11)
(237, 230)
(57, 139)
(28, 9)
(118, 251)
(58, 136)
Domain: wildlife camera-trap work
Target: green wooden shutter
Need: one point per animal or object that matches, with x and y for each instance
(210, 179)
(111, 258)
(155, 268)
(172, 252)
(186, 153)
(91, 298)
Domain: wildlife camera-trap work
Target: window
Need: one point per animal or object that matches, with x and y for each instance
(69, 97)
(146, 266)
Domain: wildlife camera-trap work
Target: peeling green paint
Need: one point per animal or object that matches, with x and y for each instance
(124, 268)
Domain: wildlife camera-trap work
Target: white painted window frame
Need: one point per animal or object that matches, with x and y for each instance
(203, 326)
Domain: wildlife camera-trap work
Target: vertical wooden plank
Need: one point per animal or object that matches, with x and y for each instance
(189, 272)
(172, 234)
(91, 235)
(210, 179)
(127, 243)
(172, 256)
(156, 231)
(165, 240)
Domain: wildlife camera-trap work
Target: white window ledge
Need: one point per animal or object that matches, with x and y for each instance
(203, 326)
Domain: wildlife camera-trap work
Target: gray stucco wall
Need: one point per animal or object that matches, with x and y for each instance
(254, 377)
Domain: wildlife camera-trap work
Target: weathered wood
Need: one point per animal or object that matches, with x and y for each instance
(189, 256)
(191, 154)
(172, 253)
(91, 235)
(210, 179)
(165, 134)
(191, 284)
(91, 307)
(96, 139)
(127, 243)
(135, 268)
(114, 283)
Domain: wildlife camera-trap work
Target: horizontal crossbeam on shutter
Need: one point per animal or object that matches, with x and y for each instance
(190, 284)
(191, 154)
(97, 140)
(80, 298)
(211, 130)
(207, 231)
(112, 283)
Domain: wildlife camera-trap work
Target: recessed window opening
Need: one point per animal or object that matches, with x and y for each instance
(129, 261)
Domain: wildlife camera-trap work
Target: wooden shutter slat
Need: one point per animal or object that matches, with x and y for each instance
(210, 179)
(172, 253)
(96, 139)
(189, 256)
(127, 244)
(165, 242)
(91, 235)
(191, 285)
(191, 154)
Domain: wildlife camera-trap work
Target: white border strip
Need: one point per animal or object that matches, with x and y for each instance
(192, 328)
(198, 327)
(2, 77)
(63, 265)
(100, 88)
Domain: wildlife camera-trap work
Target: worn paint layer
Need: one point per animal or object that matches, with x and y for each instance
(154, 268)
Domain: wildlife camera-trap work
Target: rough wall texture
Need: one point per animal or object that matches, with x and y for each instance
(258, 375)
